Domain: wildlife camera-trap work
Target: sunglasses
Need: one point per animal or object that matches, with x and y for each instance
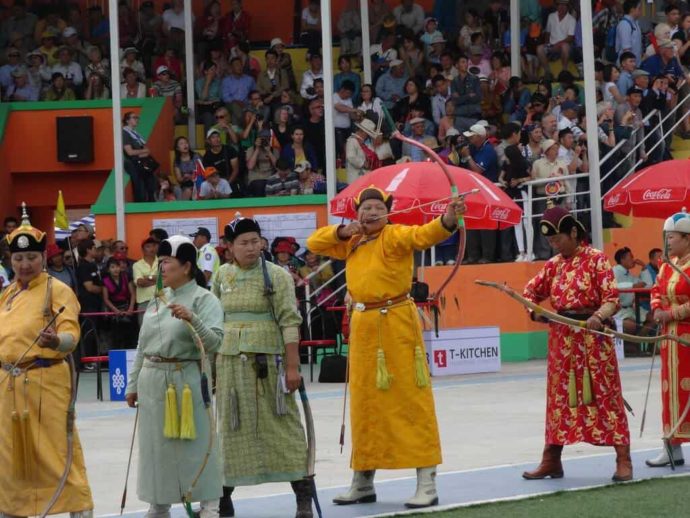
(220, 117)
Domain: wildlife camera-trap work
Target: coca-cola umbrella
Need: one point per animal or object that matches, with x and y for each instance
(656, 191)
(421, 192)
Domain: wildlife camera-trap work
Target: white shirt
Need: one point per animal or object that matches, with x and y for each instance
(72, 72)
(308, 81)
(560, 29)
(208, 260)
(171, 19)
(309, 18)
(341, 120)
(223, 187)
(4, 278)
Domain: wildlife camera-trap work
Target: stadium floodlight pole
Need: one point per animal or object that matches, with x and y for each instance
(118, 159)
(189, 72)
(366, 40)
(592, 124)
(327, 46)
(515, 64)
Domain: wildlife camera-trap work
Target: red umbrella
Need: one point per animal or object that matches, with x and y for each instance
(421, 192)
(655, 192)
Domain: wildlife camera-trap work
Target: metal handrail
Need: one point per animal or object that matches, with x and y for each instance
(622, 142)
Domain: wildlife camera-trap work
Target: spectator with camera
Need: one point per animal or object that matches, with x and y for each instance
(261, 163)
(315, 71)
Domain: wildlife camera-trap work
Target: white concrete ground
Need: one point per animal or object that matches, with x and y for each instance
(485, 420)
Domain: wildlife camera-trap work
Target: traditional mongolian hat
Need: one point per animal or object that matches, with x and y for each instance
(679, 222)
(374, 193)
(26, 238)
(241, 226)
(558, 220)
(179, 247)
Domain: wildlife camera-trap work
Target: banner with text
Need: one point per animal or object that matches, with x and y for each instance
(465, 350)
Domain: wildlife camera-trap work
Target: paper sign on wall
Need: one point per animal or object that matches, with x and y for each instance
(298, 225)
(186, 226)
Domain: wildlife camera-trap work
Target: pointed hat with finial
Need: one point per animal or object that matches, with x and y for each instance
(26, 238)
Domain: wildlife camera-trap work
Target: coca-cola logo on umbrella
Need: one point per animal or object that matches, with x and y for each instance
(663, 194)
(500, 213)
(438, 208)
(614, 200)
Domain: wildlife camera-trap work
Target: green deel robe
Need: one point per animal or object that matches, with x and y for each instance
(168, 466)
(263, 446)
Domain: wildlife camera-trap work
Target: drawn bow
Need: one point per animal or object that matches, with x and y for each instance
(455, 193)
(205, 394)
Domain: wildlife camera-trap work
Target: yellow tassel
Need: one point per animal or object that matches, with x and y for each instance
(29, 457)
(187, 427)
(18, 466)
(420, 368)
(572, 390)
(587, 387)
(171, 427)
(383, 377)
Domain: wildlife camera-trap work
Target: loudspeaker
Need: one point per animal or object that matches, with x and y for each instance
(75, 139)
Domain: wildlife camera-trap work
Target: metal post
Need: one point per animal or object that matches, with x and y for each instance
(527, 216)
(118, 159)
(189, 72)
(592, 124)
(366, 41)
(327, 46)
(514, 38)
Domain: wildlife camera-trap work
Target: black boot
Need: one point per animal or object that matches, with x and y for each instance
(304, 495)
(227, 510)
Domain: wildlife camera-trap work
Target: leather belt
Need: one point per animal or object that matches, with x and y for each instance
(368, 306)
(162, 359)
(38, 363)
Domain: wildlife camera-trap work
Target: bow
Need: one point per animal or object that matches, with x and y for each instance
(455, 194)
(205, 394)
(311, 444)
(579, 324)
(71, 413)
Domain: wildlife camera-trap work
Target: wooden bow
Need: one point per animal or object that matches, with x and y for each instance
(579, 324)
(455, 194)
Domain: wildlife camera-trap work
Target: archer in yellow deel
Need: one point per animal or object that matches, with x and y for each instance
(179, 456)
(42, 462)
(392, 407)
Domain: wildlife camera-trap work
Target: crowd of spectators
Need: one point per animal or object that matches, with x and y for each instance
(444, 76)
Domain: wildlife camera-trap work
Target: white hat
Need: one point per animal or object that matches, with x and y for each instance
(452, 132)
(547, 144)
(277, 41)
(69, 32)
(483, 122)
(368, 127)
(302, 166)
(162, 69)
(476, 130)
(212, 131)
(417, 120)
(679, 222)
(438, 38)
(395, 63)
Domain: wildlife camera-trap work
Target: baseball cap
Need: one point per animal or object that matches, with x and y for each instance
(476, 130)
(277, 41)
(635, 90)
(395, 63)
(569, 105)
(211, 132)
(438, 38)
(417, 120)
(666, 44)
(162, 69)
(452, 132)
(639, 73)
(302, 166)
(69, 32)
(202, 231)
(19, 72)
(132, 50)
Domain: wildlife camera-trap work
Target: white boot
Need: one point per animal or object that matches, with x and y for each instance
(361, 491)
(210, 508)
(82, 514)
(663, 459)
(426, 494)
(158, 511)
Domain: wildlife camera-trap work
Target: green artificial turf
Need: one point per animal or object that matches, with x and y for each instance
(662, 498)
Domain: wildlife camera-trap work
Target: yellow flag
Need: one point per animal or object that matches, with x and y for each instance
(61, 220)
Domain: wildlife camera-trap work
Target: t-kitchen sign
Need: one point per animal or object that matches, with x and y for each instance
(466, 350)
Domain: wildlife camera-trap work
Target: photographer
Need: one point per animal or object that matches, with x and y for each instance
(261, 164)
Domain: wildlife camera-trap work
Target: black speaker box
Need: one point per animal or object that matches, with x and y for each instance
(75, 139)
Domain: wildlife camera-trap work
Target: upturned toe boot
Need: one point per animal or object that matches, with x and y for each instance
(550, 465)
(304, 495)
(664, 460)
(624, 469)
(426, 494)
(226, 509)
(361, 491)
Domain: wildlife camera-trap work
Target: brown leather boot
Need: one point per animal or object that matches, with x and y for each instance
(624, 469)
(550, 465)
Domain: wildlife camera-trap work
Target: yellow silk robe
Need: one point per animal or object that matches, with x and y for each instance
(394, 428)
(47, 397)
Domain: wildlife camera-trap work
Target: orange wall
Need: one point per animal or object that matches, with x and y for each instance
(643, 235)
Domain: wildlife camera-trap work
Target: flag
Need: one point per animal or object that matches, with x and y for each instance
(61, 220)
(198, 177)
